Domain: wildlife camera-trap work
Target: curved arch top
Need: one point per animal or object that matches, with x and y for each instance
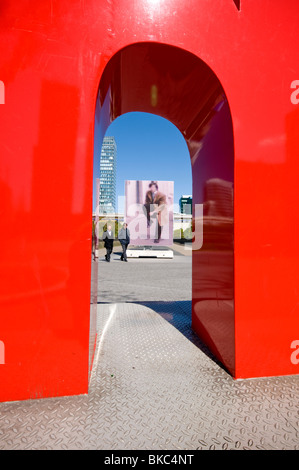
(164, 80)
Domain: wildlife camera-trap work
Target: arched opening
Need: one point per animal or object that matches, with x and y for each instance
(178, 86)
(158, 275)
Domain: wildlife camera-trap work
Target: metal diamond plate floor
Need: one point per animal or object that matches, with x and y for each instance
(155, 387)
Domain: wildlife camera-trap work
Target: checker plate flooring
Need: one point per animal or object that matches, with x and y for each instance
(155, 387)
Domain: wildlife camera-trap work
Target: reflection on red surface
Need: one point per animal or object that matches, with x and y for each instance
(213, 265)
(53, 57)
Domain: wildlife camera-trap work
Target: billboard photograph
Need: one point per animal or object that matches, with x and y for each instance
(149, 212)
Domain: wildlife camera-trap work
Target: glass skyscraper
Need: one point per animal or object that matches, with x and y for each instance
(186, 204)
(107, 202)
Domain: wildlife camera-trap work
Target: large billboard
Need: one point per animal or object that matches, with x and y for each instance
(149, 212)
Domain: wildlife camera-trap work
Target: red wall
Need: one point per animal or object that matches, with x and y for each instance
(52, 57)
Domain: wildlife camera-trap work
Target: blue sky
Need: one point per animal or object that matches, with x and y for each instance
(150, 148)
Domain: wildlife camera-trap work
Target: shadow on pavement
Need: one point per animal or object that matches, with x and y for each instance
(178, 314)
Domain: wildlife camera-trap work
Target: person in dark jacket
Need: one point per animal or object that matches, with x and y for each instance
(108, 238)
(155, 206)
(124, 238)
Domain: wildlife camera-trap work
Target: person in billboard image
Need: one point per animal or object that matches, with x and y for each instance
(155, 206)
(124, 239)
(149, 212)
(108, 238)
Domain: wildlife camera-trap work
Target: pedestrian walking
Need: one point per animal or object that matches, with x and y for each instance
(124, 238)
(108, 238)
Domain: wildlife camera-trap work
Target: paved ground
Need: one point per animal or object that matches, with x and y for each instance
(146, 279)
(154, 385)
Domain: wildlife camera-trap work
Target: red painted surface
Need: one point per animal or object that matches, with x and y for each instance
(53, 55)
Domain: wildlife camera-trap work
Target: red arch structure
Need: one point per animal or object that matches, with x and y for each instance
(177, 85)
(54, 56)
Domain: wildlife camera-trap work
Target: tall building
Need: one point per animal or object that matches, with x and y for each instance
(186, 204)
(107, 200)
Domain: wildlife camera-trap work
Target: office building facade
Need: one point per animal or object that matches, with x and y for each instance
(107, 198)
(186, 204)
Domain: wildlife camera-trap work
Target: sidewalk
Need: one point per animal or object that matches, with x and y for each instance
(154, 386)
